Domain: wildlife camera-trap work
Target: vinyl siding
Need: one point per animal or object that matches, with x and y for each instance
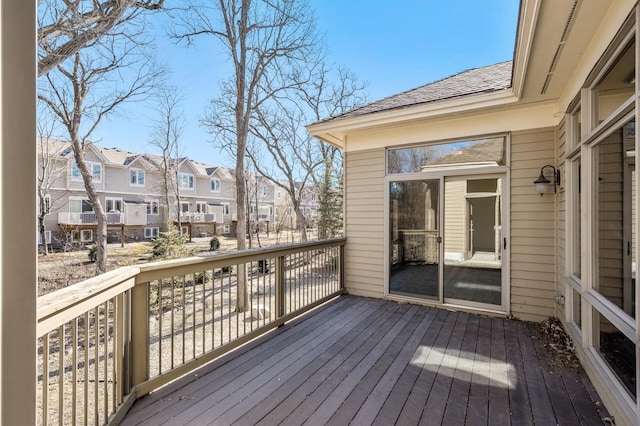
(364, 222)
(533, 227)
(455, 223)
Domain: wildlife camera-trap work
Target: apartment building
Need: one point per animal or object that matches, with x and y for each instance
(131, 187)
(201, 201)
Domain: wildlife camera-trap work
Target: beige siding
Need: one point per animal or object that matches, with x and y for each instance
(455, 223)
(561, 198)
(533, 227)
(364, 222)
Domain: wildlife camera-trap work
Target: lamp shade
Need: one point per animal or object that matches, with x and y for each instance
(542, 184)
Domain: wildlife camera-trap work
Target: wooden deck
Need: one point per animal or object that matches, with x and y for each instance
(365, 361)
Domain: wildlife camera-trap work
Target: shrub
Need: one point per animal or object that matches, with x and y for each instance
(202, 277)
(214, 244)
(93, 253)
(170, 245)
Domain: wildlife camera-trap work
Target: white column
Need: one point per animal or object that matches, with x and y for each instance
(17, 213)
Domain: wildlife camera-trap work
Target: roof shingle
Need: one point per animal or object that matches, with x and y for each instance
(470, 82)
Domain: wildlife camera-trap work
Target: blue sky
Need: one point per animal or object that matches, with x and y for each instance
(394, 46)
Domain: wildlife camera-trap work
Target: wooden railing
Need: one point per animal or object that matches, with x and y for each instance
(106, 341)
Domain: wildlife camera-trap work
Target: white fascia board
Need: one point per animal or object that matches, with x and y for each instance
(527, 21)
(334, 130)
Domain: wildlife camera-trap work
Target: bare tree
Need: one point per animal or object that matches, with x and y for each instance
(50, 169)
(288, 148)
(85, 89)
(65, 27)
(166, 136)
(268, 43)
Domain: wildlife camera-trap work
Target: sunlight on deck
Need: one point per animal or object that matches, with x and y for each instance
(493, 372)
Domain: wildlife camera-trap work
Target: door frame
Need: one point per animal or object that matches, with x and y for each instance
(442, 175)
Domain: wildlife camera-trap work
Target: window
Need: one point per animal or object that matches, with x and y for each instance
(480, 152)
(225, 208)
(264, 190)
(225, 229)
(184, 206)
(184, 230)
(46, 208)
(270, 210)
(252, 209)
(279, 194)
(136, 177)
(86, 235)
(185, 181)
(47, 235)
(94, 168)
(151, 232)
(215, 185)
(152, 207)
(79, 205)
(114, 205)
(201, 207)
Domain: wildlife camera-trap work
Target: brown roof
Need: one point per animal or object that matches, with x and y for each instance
(471, 82)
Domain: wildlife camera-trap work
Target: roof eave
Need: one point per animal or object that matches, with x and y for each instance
(334, 131)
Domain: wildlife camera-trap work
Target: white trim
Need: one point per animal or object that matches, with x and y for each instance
(136, 172)
(83, 235)
(154, 231)
(150, 209)
(114, 200)
(218, 185)
(189, 177)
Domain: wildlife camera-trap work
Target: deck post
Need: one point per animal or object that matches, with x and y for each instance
(280, 287)
(18, 261)
(139, 309)
(341, 266)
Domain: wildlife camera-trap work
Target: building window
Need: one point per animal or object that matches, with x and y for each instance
(152, 207)
(151, 232)
(185, 181)
(264, 190)
(94, 168)
(114, 205)
(136, 177)
(215, 185)
(184, 206)
(86, 235)
(184, 231)
(79, 205)
(47, 235)
(47, 204)
(270, 210)
(225, 208)
(279, 194)
(225, 229)
(480, 152)
(201, 207)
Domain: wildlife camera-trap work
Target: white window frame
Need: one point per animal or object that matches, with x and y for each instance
(186, 181)
(47, 236)
(183, 203)
(81, 199)
(226, 209)
(215, 185)
(184, 231)
(151, 232)
(93, 166)
(264, 190)
(47, 205)
(199, 207)
(134, 177)
(86, 235)
(153, 207)
(114, 200)
(225, 229)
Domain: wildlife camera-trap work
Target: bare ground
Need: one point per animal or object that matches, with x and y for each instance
(61, 269)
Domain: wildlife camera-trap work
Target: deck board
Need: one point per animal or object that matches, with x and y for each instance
(368, 361)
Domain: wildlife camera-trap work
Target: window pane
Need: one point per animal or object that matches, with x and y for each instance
(482, 152)
(617, 350)
(615, 168)
(617, 85)
(577, 219)
(140, 177)
(577, 308)
(96, 171)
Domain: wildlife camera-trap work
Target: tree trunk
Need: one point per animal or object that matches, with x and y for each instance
(43, 234)
(101, 231)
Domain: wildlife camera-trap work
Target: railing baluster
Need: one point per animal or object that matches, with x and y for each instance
(74, 371)
(96, 354)
(45, 379)
(60, 374)
(86, 367)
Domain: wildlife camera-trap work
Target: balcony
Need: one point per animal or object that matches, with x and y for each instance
(170, 332)
(89, 218)
(187, 217)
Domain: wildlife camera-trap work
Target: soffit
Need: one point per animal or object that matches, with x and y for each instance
(564, 30)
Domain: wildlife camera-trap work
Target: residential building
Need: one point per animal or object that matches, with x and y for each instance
(510, 189)
(131, 190)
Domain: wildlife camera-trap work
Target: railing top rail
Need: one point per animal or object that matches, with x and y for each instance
(55, 308)
(59, 306)
(168, 268)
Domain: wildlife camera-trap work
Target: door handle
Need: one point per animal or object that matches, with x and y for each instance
(439, 239)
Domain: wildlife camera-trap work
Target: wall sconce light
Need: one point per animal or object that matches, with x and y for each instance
(543, 183)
